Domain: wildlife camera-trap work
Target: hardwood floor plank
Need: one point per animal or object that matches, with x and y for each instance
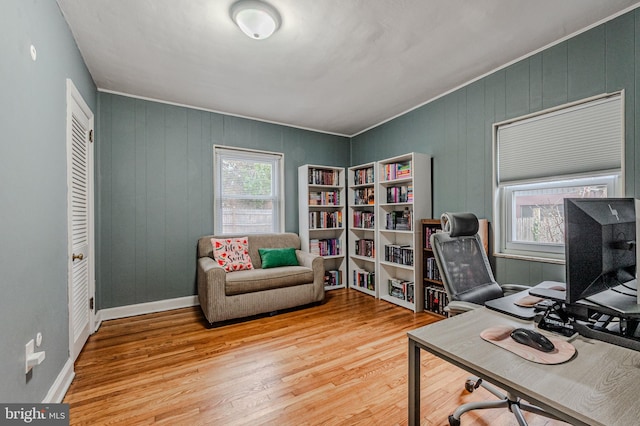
(340, 363)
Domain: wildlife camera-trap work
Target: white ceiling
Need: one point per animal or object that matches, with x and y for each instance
(336, 66)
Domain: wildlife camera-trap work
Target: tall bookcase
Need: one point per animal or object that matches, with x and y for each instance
(322, 218)
(403, 191)
(435, 297)
(362, 228)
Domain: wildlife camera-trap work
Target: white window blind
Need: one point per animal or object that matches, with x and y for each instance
(248, 194)
(581, 139)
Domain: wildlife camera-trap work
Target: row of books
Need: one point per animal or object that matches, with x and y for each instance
(325, 219)
(363, 176)
(435, 300)
(399, 220)
(397, 170)
(401, 289)
(365, 247)
(427, 236)
(363, 196)
(324, 177)
(400, 194)
(332, 278)
(364, 220)
(431, 269)
(324, 198)
(325, 247)
(402, 254)
(365, 279)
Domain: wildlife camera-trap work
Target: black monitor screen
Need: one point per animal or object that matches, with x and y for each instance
(600, 247)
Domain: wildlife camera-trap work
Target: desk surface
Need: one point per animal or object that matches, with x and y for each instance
(600, 385)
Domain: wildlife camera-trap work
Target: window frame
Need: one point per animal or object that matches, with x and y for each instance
(221, 152)
(610, 179)
(503, 191)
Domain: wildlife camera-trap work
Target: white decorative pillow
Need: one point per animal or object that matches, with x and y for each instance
(232, 253)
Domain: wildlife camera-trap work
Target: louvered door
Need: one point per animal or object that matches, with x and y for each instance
(79, 129)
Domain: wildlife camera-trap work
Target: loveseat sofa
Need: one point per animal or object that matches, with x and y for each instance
(242, 293)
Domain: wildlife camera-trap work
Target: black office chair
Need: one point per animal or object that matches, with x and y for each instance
(469, 283)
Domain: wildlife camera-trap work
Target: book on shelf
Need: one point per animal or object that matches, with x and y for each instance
(333, 278)
(399, 253)
(325, 219)
(365, 247)
(435, 299)
(399, 220)
(401, 289)
(327, 177)
(324, 198)
(325, 246)
(400, 194)
(428, 231)
(363, 176)
(431, 269)
(364, 220)
(403, 169)
(364, 196)
(393, 171)
(364, 278)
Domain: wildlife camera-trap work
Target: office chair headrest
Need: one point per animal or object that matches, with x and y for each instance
(459, 224)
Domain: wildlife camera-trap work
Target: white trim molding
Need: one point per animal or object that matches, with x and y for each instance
(60, 386)
(144, 308)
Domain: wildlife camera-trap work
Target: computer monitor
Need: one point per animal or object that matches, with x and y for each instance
(600, 248)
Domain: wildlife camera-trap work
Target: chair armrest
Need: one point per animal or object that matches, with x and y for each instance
(458, 307)
(514, 288)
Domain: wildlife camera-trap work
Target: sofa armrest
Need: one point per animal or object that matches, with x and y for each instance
(316, 263)
(211, 286)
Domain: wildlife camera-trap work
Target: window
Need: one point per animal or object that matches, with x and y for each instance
(247, 191)
(574, 151)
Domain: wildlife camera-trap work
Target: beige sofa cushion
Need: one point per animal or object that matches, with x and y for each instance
(248, 281)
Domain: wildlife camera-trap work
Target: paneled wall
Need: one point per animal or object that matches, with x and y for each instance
(456, 129)
(155, 186)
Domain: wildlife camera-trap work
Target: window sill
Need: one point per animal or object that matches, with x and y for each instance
(531, 258)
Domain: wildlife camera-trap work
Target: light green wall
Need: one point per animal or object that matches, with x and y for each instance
(456, 129)
(33, 191)
(155, 186)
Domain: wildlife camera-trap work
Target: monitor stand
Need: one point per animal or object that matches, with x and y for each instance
(599, 331)
(620, 300)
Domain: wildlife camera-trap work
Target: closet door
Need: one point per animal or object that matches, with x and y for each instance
(80, 186)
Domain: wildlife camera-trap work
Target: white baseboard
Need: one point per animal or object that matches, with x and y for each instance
(144, 308)
(59, 388)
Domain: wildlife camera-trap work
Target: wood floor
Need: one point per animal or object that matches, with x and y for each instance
(340, 363)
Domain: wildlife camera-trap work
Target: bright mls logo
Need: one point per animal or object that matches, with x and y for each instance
(35, 414)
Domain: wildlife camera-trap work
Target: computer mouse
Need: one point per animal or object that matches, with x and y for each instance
(532, 338)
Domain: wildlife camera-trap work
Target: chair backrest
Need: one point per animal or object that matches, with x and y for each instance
(462, 261)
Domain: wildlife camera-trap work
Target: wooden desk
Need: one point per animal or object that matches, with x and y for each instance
(599, 386)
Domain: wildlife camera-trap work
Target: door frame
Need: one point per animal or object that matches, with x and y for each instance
(74, 97)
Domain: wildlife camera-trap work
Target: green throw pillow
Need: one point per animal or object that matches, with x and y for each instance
(274, 257)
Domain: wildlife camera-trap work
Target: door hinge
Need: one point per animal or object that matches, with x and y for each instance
(91, 135)
(91, 303)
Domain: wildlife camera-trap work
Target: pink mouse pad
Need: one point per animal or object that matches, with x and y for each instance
(501, 336)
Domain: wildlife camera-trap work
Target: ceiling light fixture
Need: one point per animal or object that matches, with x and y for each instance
(256, 19)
